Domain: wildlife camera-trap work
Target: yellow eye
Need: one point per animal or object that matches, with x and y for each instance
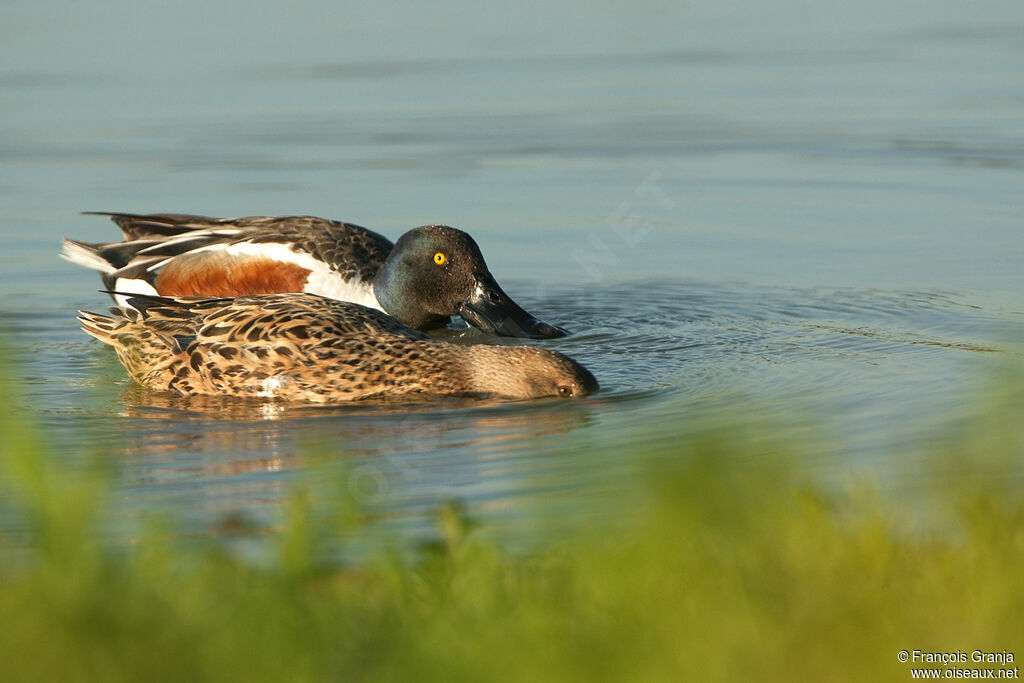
(440, 258)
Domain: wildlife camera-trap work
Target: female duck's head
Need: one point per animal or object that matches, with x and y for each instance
(435, 272)
(526, 372)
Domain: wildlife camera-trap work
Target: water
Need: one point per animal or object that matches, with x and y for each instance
(813, 206)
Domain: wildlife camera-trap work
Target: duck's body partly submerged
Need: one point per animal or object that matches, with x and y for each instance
(308, 348)
(430, 274)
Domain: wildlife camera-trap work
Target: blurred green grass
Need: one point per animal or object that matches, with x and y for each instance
(738, 564)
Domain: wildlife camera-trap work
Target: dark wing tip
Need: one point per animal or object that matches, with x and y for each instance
(149, 300)
(143, 302)
(113, 215)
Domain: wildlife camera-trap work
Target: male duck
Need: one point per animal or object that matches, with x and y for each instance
(304, 347)
(430, 274)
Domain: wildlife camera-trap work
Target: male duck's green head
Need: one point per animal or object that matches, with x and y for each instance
(435, 272)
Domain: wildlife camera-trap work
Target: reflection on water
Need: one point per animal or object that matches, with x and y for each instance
(214, 423)
(219, 457)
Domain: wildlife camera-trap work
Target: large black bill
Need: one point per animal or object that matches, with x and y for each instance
(492, 310)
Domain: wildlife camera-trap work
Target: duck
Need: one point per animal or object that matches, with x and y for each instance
(309, 348)
(430, 274)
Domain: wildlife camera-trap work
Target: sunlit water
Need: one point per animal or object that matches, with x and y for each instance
(815, 211)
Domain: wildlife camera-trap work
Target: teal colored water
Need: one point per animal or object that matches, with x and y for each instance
(813, 206)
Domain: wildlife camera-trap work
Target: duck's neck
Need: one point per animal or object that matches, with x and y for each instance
(497, 370)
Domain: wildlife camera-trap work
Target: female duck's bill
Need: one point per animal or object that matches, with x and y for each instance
(304, 347)
(431, 274)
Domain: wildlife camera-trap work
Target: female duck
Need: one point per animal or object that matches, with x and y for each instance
(430, 274)
(304, 347)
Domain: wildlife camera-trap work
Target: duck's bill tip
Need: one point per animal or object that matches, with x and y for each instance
(538, 329)
(530, 328)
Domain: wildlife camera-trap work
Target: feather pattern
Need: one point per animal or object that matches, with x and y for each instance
(352, 251)
(310, 348)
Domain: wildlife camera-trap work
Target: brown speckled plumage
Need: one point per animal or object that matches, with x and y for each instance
(308, 348)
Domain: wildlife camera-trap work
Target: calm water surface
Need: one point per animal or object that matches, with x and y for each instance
(814, 207)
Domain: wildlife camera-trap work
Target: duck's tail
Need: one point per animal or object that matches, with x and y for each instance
(119, 320)
(101, 327)
(145, 348)
(87, 254)
(119, 264)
